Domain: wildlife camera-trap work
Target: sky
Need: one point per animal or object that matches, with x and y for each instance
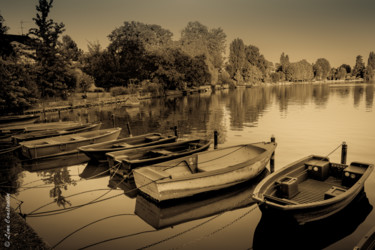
(338, 30)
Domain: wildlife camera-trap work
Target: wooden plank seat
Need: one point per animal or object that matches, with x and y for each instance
(121, 145)
(161, 152)
(282, 201)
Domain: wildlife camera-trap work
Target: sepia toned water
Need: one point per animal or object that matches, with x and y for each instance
(304, 119)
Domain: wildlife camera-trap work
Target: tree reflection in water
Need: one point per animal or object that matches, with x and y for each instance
(61, 179)
(10, 174)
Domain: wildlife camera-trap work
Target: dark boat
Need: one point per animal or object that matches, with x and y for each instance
(127, 160)
(312, 188)
(98, 151)
(55, 132)
(66, 144)
(17, 119)
(275, 231)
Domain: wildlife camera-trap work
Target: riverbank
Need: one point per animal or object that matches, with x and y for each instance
(76, 100)
(16, 233)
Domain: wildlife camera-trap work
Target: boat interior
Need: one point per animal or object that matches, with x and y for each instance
(314, 180)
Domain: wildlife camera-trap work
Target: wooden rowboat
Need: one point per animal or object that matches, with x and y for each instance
(17, 119)
(98, 151)
(312, 188)
(203, 172)
(23, 128)
(55, 132)
(139, 157)
(60, 145)
(174, 212)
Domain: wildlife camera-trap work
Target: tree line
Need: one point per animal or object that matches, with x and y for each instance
(48, 64)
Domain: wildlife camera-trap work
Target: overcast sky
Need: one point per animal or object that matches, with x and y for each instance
(337, 30)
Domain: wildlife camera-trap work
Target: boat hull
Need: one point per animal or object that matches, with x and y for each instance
(166, 187)
(18, 120)
(66, 144)
(97, 152)
(314, 201)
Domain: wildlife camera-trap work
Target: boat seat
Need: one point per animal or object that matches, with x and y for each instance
(278, 200)
(161, 152)
(76, 138)
(152, 138)
(122, 145)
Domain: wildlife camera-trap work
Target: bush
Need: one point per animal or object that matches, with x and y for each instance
(116, 91)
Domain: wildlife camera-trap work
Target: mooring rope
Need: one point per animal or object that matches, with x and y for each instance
(334, 150)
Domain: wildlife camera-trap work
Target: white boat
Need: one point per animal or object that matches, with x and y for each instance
(202, 172)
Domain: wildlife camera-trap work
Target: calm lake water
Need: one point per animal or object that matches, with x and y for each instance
(305, 119)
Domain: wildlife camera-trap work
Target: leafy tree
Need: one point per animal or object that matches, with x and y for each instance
(359, 67)
(18, 86)
(321, 68)
(69, 49)
(237, 57)
(197, 40)
(54, 76)
(254, 57)
(299, 71)
(346, 67)
(6, 48)
(371, 60)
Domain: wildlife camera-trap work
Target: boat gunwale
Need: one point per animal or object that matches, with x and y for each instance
(109, 131)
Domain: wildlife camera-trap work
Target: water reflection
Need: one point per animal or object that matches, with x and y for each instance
(174, 212)
(94, 170)
(10, 174)
(286, 234)
(61, 179)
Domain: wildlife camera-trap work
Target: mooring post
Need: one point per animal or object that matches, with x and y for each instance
(175, 131)
(344, 152)
(44, 114)
(272, 160)
(129, 130)
(215, 139)
(59, 112)
(113, 120)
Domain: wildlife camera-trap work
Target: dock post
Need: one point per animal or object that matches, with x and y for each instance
(215, 139)
(129, 130)
(113, 120)
(59, 115)
(175, 131)
(272, 160)
(344, 152)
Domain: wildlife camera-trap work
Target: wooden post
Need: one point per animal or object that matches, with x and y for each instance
(344, 152)
(215, 139)
(44, 114)
(59, 115)
(113, 120)
(175, 131)
(272, 160)
(129, 130)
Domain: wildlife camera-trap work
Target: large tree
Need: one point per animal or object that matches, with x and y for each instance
(359, 67)
(321, 69)
(237, 57)
(197, 40)
(54, 76)
(6, 48)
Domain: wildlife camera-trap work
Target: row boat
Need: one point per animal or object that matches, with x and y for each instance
(98, 151)
(312, 188)
(203, 172)
(174, 212)
(139, 157)
(23, 128)
(17, 119)
(60, 145)
(55, 132)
